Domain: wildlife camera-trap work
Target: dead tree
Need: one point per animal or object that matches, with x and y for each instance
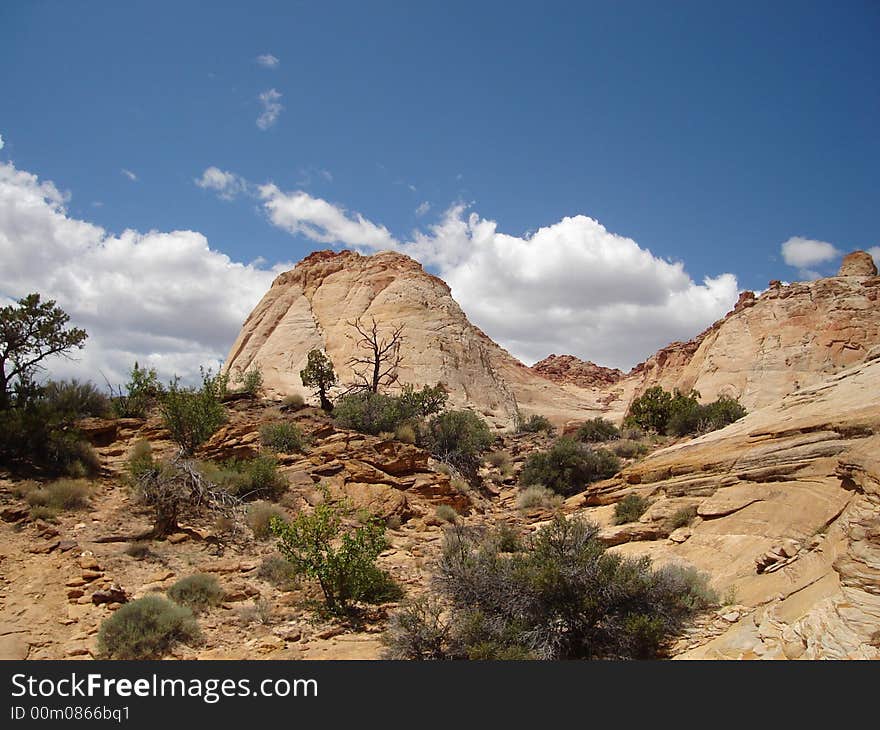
(378, 366)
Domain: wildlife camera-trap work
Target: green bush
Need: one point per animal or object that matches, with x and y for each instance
(629, 449)
(251, 381)
(682, 517)
(193, 415)
(342, 560)
(277, 571)
(538, 496)
(458, 438)
(425, 402)
(258, 516)
(247, 479)
(197, 592)
(446, 513)
(137, 396)
(282, 436)
(561, 596)
(597, 429)
(629, 509)
(146, 629)
(651, 410)
(76, 399)
(61, 495)
(568, 467)
(372, 413)
(681, 415)
(533, 424)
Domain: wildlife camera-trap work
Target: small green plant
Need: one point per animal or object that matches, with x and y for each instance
(260, 611)
(533, 424)
(197, 592)
(76, 399)
(682, 517)
(429, 400)
(61, 495)
(319, 375)
(146, 629)
(568, 467)
(137, 396)
(406, 433)
(283, 437)
(459, 438)
(509, 539)
(193, 415)
(629, 509)
(629, 449)
(277, 571)
(251, 381)
(41, 512)
(258, 516)
(342, 560)
(247, 479)
(538, 497)
(446, 513)
(597, 429)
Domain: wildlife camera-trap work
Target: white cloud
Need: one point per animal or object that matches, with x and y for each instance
(875, 253)
(267, 60)
(805, 252)
(226, 184)
(165, 299)
(316, 219)
(423, 208)
(271, 108)
(2, 143)
(572, 287)
(129, 174)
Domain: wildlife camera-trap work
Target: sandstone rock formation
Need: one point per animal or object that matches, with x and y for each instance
(786, 339)
(311, 305)
(787, 521)
(567, 369)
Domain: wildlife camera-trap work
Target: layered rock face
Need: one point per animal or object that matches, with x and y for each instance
(788, 338)
(311, 306)
(569, 370)
(784, 517)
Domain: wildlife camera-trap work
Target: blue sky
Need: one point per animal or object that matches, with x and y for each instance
(708, 133)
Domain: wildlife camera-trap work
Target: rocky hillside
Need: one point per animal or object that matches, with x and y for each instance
(569, 370)
(311, 306)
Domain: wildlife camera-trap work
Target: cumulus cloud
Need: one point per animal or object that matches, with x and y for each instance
(572, 287)
(267, 60)
(166, 300)
(2, 143)
(129, 174)
(423, 208)
(227, 185)
(270, 101)
(805, 252)
(875, 253)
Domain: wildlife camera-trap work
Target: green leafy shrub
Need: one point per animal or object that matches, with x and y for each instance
(197, 592)
(682, 517)
(247, 479)
(651, 410)
(146, 629)
(597, 429)
(61, 495)
(342, 560)
(319, 375)
(678, 414)
(429, 400)
(193, 415)
(251, 381)
(137, 396)
(371, 413)
(282, 436)
(446, 513)
(76, 399)
(629, 509)
(629, 449)
(568, 467)
(538, 496)
(258, 516)
(458, 438)
(508, 538)
(561, 596)
(533, 424)
(279, 572)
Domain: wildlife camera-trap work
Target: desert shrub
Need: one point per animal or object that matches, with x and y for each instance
(146, 629)
(42, 512)
(651, 410)
(279, 572)
(568, 467)
(137, 396)
(538, 496)
(597, 429)
(76, 399)
(632, 433)
(258, 516)
(429, 400)
(372, 413)
(197, 592)
(629, 449)
(138, 550)
(533, 424)
(61, 495)
(562, 596)
(629, 509)
(140, 458)
(458, 438)
(508, 538)
(682, 517)
(251, 381)
(406, 433)
(282, 436)
(678, 414)
(499, 459)
(723, 412)
(193, 415)
(260, 611)
(341, 559)
(294, 402)
(247, 479)
(446, 513)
